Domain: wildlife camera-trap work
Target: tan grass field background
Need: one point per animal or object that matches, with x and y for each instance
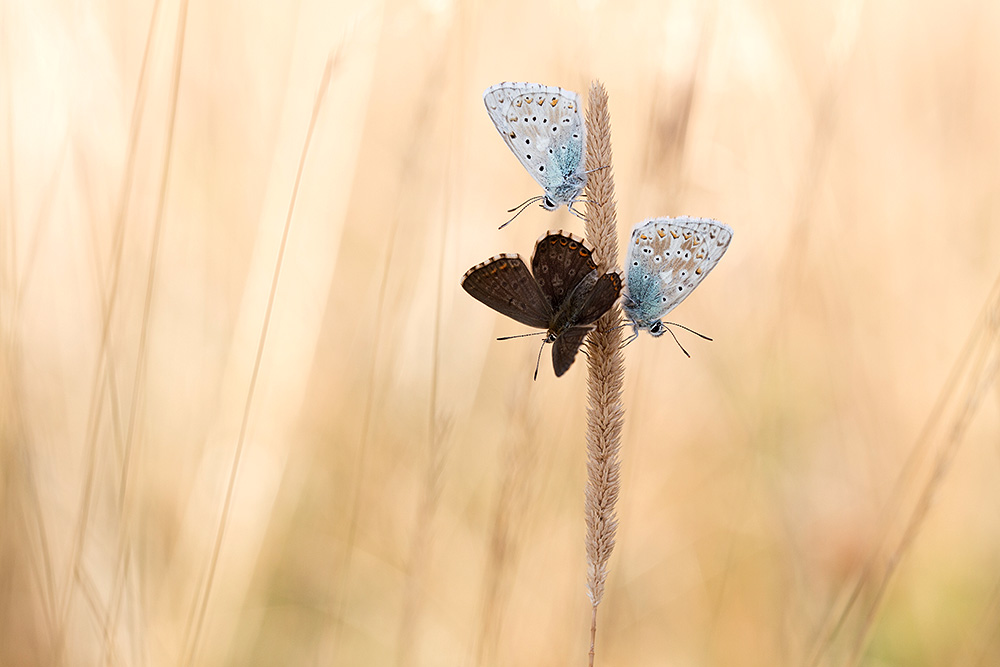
(352, 471)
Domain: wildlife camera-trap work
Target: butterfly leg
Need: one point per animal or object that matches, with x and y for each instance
(635, 334)
(575, 212)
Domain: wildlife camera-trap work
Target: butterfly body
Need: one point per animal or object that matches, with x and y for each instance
(563, 292)
(666, 259)
(543, 126)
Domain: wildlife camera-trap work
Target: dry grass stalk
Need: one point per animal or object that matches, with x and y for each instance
(605, 412)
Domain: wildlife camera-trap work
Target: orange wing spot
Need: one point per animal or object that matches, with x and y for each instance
(687, 236)
(661, 233)
(700, 254)
(569, 105)
(643, 237)
(674, 234)
(528, 99)
(518, 103)
(555, 101)
(513, 135)
(698, 271)
(502, 265)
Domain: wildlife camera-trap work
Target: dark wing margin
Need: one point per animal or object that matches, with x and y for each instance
(602, 298)
(504, 284)
(565, 347)
(559, 263)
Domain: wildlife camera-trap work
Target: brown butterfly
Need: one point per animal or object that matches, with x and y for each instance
(562, 293)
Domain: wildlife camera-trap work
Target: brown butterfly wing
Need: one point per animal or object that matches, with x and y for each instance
(565, 347)
(504, 284)
(600, 299)
(560, 263)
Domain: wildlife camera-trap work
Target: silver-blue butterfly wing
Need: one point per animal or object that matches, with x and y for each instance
(667, 258)
(543, 126)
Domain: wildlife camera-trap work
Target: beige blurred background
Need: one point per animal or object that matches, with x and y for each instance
(354, 472)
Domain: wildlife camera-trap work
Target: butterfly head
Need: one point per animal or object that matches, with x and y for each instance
(656, 329)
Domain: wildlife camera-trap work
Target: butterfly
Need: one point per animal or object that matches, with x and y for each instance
(544, 128)
(563, 293)
(666, 259)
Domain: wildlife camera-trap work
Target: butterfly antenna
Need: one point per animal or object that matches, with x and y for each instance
(520, 209)
(539, 359)
(535, 333)
(679, 343)
(700, 335)
(591, 171)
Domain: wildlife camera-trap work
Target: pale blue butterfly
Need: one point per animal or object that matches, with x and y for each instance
(666, 259)
(543, 126)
